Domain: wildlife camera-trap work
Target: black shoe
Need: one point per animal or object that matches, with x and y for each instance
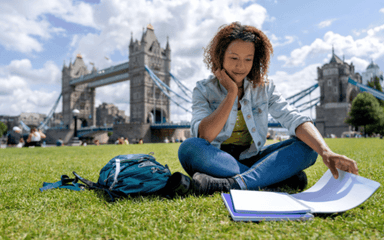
(177, 184)
(205, 185)
(297, 181)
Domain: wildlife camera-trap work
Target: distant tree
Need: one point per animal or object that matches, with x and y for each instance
(365, 111)
(375, 83)
(376, 128)
(3, 128)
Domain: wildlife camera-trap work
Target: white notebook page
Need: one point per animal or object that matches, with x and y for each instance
(265, 202)
(330, 195)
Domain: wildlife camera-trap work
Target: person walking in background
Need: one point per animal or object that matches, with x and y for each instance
(59, 142)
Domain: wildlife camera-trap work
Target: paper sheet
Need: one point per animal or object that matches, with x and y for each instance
(330, 195)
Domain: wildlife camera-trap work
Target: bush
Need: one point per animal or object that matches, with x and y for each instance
(3, 128)
(365, 111)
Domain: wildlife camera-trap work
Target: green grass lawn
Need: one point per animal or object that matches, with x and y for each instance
(26, 213)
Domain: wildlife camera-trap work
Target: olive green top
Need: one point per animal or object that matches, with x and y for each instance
(240, 134)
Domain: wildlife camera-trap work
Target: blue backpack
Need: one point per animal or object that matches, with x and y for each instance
(122, 176)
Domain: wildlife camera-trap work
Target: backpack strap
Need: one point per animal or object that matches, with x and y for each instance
(65, 182)
(89, 184)
(93, 185)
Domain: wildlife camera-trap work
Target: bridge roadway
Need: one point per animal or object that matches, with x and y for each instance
(113, 74)
(88, 130)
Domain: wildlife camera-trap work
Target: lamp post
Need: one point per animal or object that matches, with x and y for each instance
(75, 112)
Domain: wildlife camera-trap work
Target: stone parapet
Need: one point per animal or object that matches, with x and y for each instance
(132, 131)
(54, 134)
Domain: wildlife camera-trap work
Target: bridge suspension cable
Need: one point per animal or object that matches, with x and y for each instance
(302, 94)
(309, 102)
(163, 84)
(160, 83)
(24, 126)
(365, 88)
(315, 104)
(181, 86)
(50, 114)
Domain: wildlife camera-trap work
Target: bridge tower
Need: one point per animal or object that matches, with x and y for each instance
(77, 97)
(147, 103)
(336, 95)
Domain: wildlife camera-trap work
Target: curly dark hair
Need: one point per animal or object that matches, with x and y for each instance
(214, 52)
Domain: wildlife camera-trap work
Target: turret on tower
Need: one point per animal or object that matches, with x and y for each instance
(79, 97)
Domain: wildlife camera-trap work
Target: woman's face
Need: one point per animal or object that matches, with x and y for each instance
(238, 60)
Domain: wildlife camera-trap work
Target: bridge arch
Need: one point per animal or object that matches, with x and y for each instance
(351, 94)
(157, 115)
(84, 123)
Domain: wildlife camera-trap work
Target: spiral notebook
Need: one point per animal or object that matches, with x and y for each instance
(328, 195)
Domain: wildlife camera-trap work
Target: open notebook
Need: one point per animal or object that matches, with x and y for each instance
(328, 195)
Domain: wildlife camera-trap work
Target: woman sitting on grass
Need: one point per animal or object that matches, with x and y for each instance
(34, 138)
(230, 122)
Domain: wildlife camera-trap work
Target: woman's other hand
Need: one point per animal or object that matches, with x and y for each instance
(333, 160)
(309, 134)
(226, 81)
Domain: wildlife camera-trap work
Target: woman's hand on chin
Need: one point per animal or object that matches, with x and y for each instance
(226, 81)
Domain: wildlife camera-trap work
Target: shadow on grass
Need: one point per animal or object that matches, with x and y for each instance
(137, 197)
(328, 215)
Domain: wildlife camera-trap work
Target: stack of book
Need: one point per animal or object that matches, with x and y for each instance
(328, 195)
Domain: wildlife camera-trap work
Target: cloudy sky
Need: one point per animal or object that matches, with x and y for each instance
(38, 36)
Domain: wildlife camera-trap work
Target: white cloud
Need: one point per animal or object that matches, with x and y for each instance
(278, 42)
(49, 74)
(301, 79)
(360, 64)
(23, 24)
(375, 30)
(381, 10)
(371, 46)
(16, 33)
(326, 23)
(356, 32)
(21, 89)
(75, 40)
(11, 84)
(189, 25)
(118, 94)
(290, 84)
(26, 100)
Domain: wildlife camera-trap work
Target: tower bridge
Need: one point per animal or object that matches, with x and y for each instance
(148, 103)
(148, 71)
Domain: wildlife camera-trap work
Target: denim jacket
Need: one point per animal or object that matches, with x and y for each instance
(255, 106)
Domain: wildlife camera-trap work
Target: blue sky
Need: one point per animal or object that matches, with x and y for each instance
(37, 36)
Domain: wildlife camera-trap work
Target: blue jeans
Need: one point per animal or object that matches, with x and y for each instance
(274, 163)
